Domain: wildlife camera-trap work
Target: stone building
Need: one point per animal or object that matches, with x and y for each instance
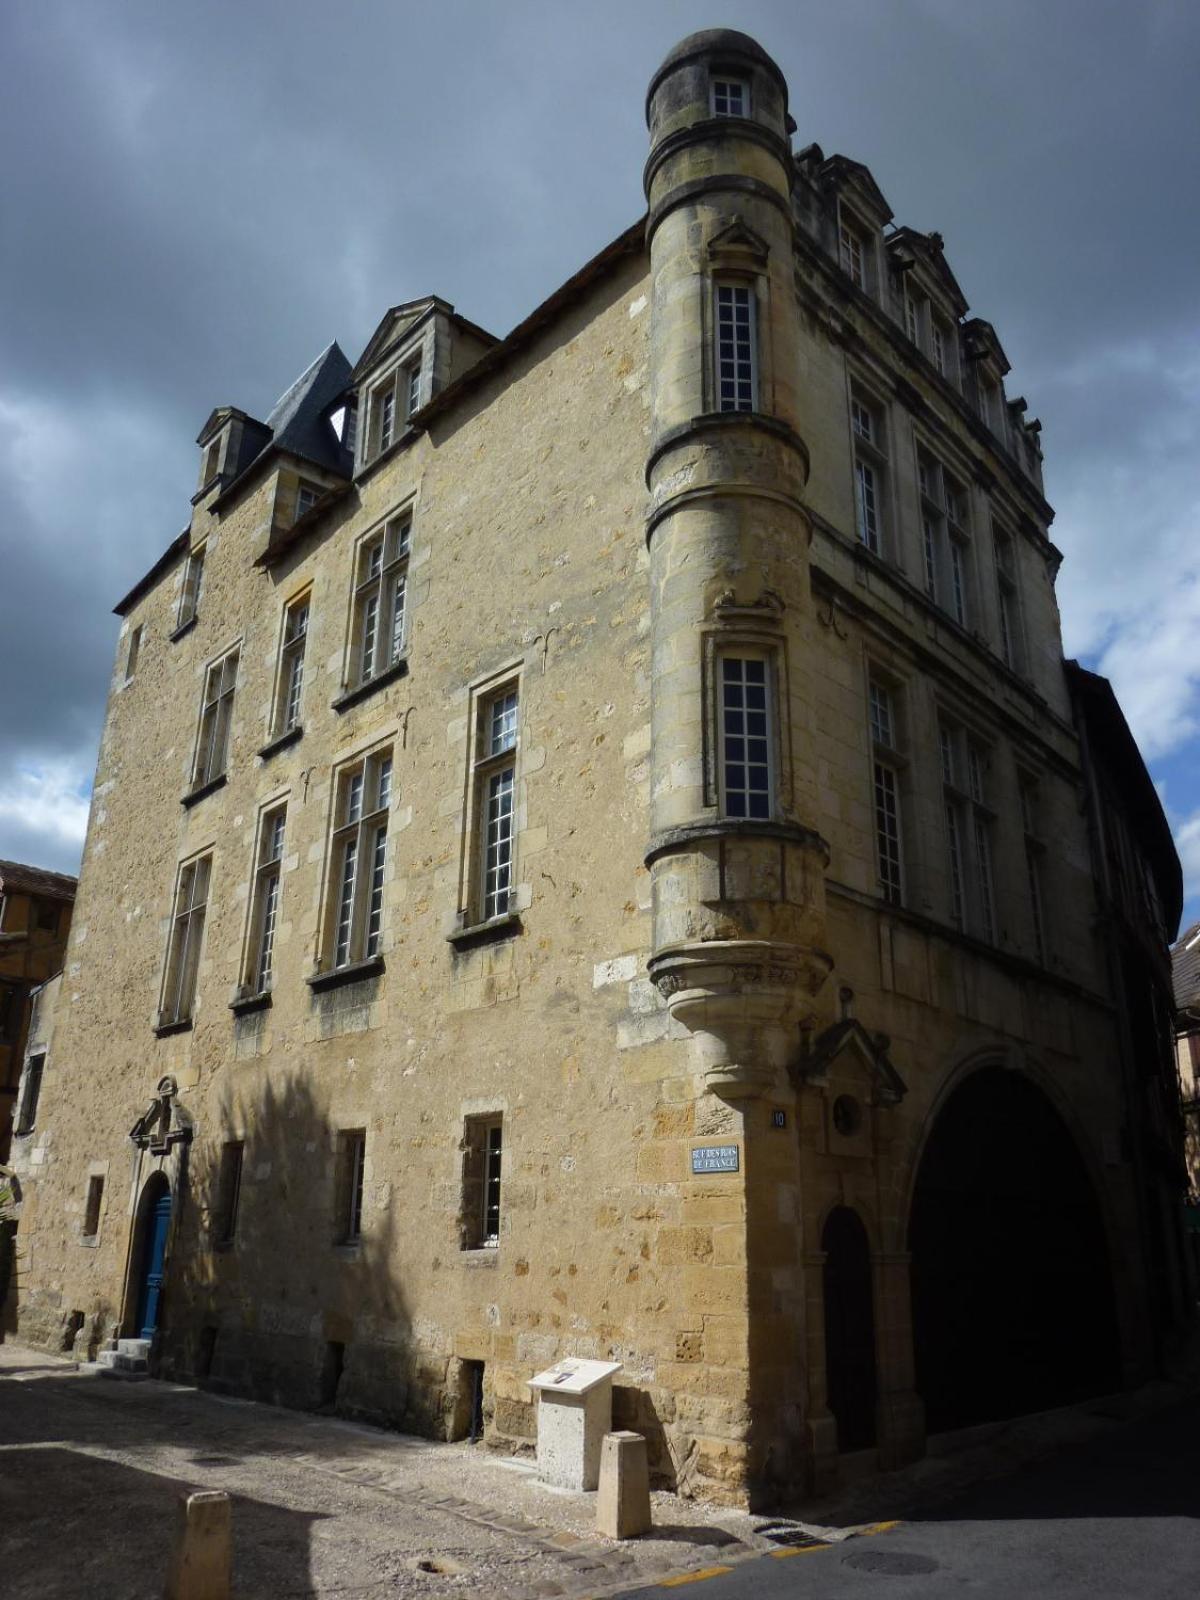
(1185, 967)
(35, 918)
(590, 856)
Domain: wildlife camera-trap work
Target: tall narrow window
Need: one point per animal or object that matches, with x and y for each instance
(351, 1172)
(495, 796)
(264, 909)
(216, 712)
(192, 588)
(852, 252)
(31, 1093)
(229, 1192)
(412, 386)
(187, 933)
(912, 317)
(745, 736)
(482, 1158)
(386, 411)
(350, 428)
(945, 537)
(291, 666)
(969, 824)
(1007, 599)
(131, 655)
(937, 337)
(886, 790)
(870, 469)
(730, 97)
(91, 1210)
(1033, 864)
(737, 375)
(381, 600)
(359, 858)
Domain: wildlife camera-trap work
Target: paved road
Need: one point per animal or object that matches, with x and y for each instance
(1118, 1517)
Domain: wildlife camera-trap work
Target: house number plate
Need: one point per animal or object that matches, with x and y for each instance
(715, 1158)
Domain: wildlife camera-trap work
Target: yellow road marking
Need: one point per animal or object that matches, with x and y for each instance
(798, 1550)
(694, 1577)
(881, 1527)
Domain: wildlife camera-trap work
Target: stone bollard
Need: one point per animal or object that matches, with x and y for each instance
(202, 1550)
(623, 1505)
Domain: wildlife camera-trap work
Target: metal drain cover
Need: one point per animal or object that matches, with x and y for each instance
(893, 1563)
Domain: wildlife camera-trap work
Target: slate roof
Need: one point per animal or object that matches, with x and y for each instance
(15, 878)
(1185, 969)
(299, 422)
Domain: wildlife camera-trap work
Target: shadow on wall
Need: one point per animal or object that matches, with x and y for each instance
(282, 1281)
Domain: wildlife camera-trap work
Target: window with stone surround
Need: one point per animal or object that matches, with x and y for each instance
(483, 1141)
(1008, 598)
(1035, 851)
(887, 766)
(379, 627)
(730, 97)
(183, 949)
(970, 825)
(349, 1182)
(362, 797)
(745, 733)
(133, 650)
(856, 249)
(92, 1206)
(868, 432)
(392, 401)
(264, 901)
(495, 737)
(307, 495)
(290, 685)
(229, 1192)
(216, 715)
(31, 1093)
(191, 589)
(945, 537)
(736, 353)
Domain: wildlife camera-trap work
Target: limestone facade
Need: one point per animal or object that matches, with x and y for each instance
(583, 1028)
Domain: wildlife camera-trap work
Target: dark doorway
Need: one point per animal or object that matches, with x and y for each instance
(849, 1328)
(1012, 1296)
(156, 1224)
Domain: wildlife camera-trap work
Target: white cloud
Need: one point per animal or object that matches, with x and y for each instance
(49, 800)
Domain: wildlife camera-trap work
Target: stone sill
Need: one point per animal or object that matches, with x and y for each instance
(484, 1255)
(486, 932)
(250, 1002)
(90, 1241)
(163, 1030)
(351, 697)
(280, 742)
(336, 976)
(194, 796)
(184, 627)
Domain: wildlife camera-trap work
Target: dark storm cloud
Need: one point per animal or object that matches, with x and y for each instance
(205, 195)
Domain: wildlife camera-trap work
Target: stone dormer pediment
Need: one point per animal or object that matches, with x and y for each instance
(848, 1047)
(737, 248)
(394, 330)
(852, 181)
(923, 253)
(981, 344)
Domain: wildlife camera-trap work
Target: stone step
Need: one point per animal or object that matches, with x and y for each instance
(104, 1358)
(125, 1364)
(95, 1369)
(139, 1348)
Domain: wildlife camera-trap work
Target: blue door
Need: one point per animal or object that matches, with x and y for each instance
(153, 1253)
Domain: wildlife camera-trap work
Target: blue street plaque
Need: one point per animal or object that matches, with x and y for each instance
(715, 1158)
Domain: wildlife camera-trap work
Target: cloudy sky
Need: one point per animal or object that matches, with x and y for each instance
(197, 198)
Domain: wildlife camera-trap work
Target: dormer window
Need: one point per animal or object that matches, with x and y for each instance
(387, 416)
(393, 401)
(307, 495)
(350, 428)
(210, 463)
(853, 251)
(730, 97)
(412, 386)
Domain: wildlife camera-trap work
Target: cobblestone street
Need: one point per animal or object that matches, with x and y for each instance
(90, 1470)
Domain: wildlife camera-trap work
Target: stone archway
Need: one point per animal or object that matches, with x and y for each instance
(1012, 1298)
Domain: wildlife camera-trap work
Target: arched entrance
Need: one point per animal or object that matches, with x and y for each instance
(154, 1224)
(850, 1383)
(1011, 1290)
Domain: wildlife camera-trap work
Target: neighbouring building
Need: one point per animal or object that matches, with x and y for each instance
(1185, 964)
(592, 854)
(35, 919)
